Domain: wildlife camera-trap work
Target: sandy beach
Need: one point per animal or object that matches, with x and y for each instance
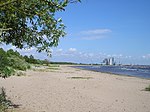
(68, 89)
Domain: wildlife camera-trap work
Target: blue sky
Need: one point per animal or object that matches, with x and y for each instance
(97, 29)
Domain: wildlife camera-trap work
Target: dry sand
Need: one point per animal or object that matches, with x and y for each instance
(55, 91)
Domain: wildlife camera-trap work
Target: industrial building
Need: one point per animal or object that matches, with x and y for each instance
(109, 61)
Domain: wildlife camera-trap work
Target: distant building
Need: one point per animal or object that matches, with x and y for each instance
(109, 61)
(105, 61)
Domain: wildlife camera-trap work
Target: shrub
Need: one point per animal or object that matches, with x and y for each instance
(28, 66)
(20, 73)
(6, 72)
(4, 103)
(147, 88)
(18, 63)
(11, 61)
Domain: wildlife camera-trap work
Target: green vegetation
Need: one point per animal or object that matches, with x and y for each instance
(64, 63)
(53, 65)
(147, 88)
(19, 73)
(32, 60)
(4, 103)
(10, 61)
(53, 68)
(6, 72)
(49, 68)
(41, 70)
(28, 23)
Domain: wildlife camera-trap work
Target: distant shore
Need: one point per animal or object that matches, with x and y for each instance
(68, 89)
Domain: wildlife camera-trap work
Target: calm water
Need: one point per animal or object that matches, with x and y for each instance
(137, 71)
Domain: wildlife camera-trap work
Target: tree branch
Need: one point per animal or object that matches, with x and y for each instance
(54, 5)
(1, 29)
(4, 4)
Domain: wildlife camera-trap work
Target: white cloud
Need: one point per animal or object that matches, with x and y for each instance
(65, 53)
(59, 50)
(74, 55)
(91, 54)
(146, 56)
(13, 47)
(108, 55)
(128, 57)
(72, 50)
(96, 32)
(93, 37)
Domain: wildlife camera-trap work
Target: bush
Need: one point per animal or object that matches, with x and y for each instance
(18, 63)
(28, 66)
(11, 61)
(4, 103)
(6, 72)
(20, 73)
(147, 88)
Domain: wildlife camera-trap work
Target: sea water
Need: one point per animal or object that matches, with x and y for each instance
(136, 71)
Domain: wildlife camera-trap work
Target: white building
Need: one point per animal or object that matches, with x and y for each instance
(109, 61)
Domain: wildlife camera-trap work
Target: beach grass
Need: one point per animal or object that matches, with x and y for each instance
(51, 68)
(80, 77)
(20, 73)
(4, 103)
(46, 68)
(54, 65)
(41, 70)
(147, 88)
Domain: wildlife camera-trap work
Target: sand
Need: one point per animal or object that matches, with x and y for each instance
(56, 91)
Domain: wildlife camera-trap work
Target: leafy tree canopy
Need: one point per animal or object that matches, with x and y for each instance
(28, 23)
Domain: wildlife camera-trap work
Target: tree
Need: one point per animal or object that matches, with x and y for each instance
(3, 59)
(10, 61)
(11, 52)
(26, 58)
(28, 23)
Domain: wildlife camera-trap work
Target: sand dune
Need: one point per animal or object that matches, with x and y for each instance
(87, 91)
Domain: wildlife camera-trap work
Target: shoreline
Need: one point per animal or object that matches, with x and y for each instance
(109, 72)
(70, 89)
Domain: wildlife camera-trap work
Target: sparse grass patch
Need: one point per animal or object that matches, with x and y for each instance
(4, 103)
(53, 68)
(80, 77)
(6, 72)
(78, 70)
(20, 73)
(53, 65)
(147, 88)
(49, 68)
(68, 72)
(41, 70)
(37, 65)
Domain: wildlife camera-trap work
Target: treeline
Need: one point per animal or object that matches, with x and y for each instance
(64, 63)
(11, 61)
